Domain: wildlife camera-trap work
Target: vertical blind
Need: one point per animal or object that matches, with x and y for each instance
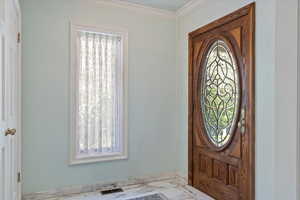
(99, 95)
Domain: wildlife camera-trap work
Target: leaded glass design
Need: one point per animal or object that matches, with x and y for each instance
(219, 93)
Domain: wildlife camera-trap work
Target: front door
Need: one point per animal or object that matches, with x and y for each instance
(10, 139)
(221, 107)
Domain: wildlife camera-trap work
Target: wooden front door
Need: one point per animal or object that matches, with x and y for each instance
(221, 107)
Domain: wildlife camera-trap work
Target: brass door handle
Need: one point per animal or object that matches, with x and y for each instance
(10, 132)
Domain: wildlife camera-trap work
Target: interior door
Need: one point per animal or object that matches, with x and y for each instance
(10, 100)
(221, 107)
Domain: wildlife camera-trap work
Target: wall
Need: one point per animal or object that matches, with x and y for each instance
(157, 92)
(152, 105)
(286, 132)
(276, 90)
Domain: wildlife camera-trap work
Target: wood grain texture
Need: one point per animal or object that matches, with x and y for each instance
(225, 173)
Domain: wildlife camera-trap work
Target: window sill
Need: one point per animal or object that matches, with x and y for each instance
(93, 159)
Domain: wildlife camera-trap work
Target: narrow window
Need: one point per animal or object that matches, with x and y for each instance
(98, 95)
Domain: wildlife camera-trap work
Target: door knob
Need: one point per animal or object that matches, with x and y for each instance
(10, 132)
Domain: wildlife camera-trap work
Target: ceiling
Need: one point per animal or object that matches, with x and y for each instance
(171, 5)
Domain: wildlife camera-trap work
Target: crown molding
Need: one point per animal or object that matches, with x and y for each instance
(138, 7)
(188, 7)
(157, 11)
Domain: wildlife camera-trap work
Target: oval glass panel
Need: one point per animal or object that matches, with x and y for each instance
(220, 93)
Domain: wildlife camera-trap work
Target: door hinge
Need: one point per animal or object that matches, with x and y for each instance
(19, 38)
(19, 177)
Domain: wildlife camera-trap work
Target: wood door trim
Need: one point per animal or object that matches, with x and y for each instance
(249, 11)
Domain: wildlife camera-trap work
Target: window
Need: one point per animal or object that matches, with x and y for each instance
(220, 93)
(98, 94)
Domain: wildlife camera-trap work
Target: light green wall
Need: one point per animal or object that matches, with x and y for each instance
(157, 92)
(286, 92)
(152, 105)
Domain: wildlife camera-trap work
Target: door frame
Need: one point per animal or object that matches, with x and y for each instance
(18, 72)
(247, 10)
(298, 109)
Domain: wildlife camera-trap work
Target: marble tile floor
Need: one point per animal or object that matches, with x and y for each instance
(171, 189)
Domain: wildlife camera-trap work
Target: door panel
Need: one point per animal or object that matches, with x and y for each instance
(221, 107)
(2, 172)
(9, 101)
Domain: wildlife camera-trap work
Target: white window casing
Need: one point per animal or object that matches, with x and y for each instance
(98, 94)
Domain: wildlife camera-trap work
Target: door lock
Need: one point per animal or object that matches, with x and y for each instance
(242, 122)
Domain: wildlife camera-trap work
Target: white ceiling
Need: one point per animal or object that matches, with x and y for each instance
(171, 5)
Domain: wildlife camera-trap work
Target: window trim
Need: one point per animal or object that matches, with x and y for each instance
(74, 160)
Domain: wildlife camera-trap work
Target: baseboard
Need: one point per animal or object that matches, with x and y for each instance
(73, 190)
